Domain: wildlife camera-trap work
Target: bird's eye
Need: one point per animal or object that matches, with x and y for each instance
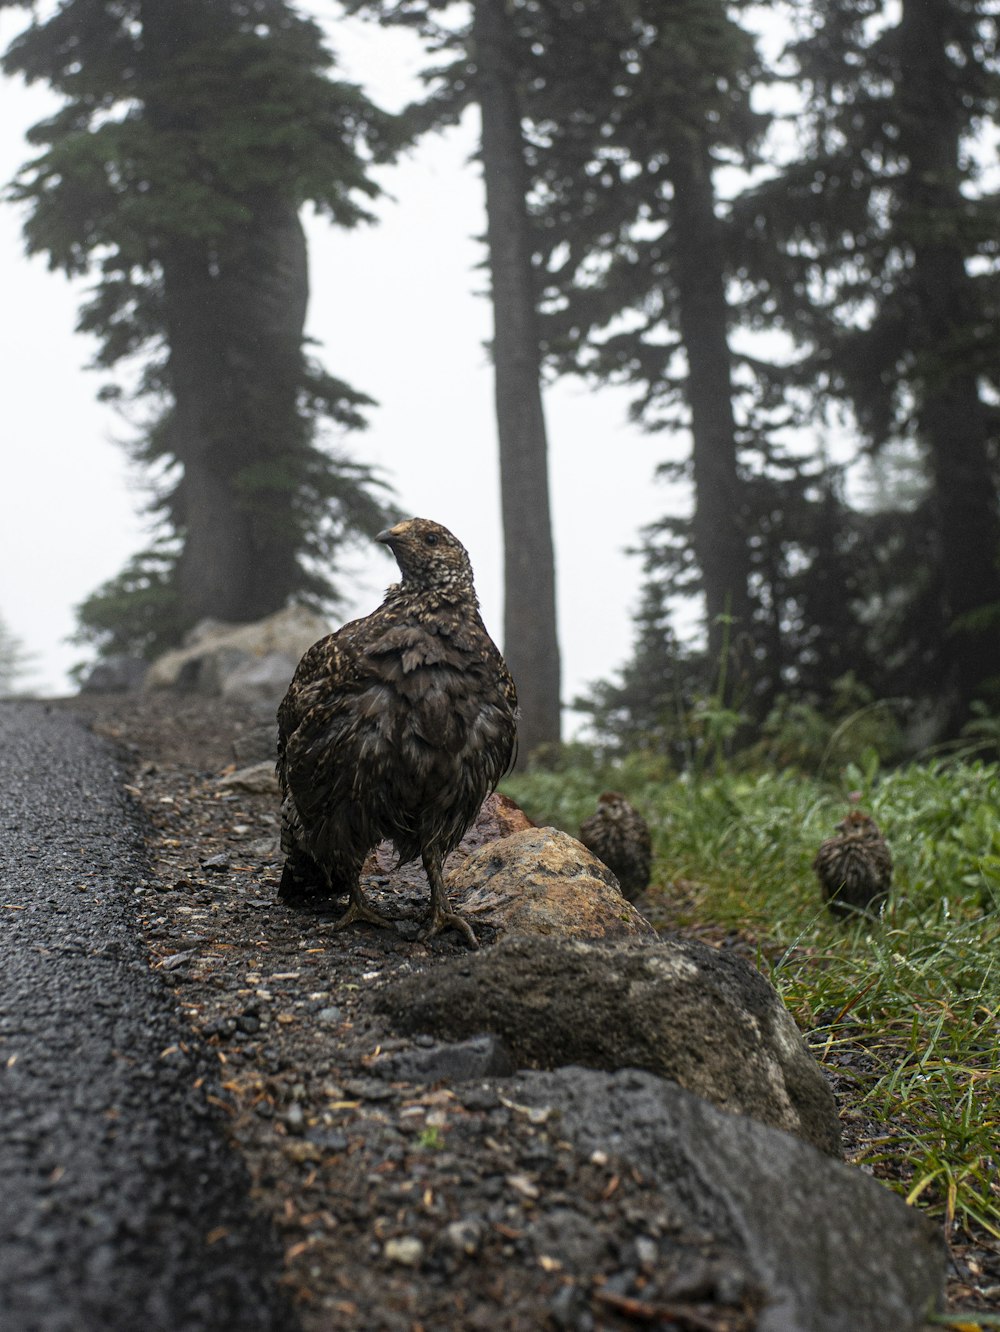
(430, 539)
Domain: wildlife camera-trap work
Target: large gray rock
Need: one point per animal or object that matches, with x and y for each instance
(833, 1250)
(705, 1019)
(259, 682)
(214, 651)
(117, 674)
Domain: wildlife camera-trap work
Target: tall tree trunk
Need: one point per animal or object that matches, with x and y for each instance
(719, 529)
(235, 332)
(235, 308)
(530, 633)
(950, 413)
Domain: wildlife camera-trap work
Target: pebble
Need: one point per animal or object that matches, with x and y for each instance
(647, 1251)
(408, 1251)
(465, 1236)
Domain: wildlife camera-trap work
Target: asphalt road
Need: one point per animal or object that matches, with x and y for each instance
(122, 1207)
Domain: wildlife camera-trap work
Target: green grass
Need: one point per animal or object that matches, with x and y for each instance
(905, 1011)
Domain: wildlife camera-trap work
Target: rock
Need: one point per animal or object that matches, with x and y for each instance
(260, 682)
(408, 1251)
(542, 881)
(498, 817)
(465, 1236)
(460, 1061)
(260, 778)
(117, 674)
(257, 745)
(213, 651)
(833, 1250)
(705, 1019)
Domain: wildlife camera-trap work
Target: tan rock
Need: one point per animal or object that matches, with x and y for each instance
(542, 881)
(259, 778)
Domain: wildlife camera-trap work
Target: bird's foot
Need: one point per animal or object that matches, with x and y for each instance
(439, 920)
(362, 911)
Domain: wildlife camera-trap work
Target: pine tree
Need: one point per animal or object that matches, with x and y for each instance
(483, 66)
(15, 662)
(633, 106)
(530, 637)
(892, 251)
(192, 133)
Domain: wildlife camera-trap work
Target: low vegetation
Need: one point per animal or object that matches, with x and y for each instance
(904, 1012)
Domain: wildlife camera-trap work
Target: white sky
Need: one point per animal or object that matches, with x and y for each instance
(396, 313)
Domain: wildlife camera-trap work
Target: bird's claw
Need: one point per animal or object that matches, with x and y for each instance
(439, 920)
(362, 911)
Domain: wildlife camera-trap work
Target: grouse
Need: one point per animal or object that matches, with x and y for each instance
(618, 835)
(396, 727)
(854, 867)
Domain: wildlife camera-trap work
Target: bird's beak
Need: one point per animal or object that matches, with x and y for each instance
(386, 536)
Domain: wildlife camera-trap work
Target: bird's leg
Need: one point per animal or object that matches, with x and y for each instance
(360, 910)
(440, 917)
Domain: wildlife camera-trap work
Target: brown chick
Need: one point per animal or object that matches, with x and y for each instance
(854, 867)
(395, 727)
(617, 834)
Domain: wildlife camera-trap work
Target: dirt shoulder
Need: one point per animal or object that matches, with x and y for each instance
(398, 1205)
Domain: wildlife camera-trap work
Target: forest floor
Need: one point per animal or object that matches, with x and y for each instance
(398, 1206)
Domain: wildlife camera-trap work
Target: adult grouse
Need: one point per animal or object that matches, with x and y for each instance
(854, 867)
(395, 727)
(618, 834)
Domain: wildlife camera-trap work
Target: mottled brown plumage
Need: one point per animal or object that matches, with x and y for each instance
(854, 867)
(395, 727)
(618, 835)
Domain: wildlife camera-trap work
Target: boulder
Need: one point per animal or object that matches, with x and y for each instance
(542, 881)
(214, 651)
(259, 744)
(259, 682)
(705, 1019)
(828, 1248)
(117, 674)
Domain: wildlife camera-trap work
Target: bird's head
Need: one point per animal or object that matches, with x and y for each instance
(857, 821)
(429, 557)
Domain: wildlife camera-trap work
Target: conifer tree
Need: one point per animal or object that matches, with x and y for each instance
(483, 65)
(15, 661)
(633, 106)
(877, 250)
(191, 134)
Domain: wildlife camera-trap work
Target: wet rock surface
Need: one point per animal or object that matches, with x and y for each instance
(411, 1184)
(833, 1250)
(680, 1009)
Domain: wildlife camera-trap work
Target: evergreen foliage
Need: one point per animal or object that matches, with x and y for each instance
(192, 133)
(484, 65)
(645, 226)
(15, 661)
(876, 248)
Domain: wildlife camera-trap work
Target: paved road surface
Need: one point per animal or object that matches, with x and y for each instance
(121, 1207)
